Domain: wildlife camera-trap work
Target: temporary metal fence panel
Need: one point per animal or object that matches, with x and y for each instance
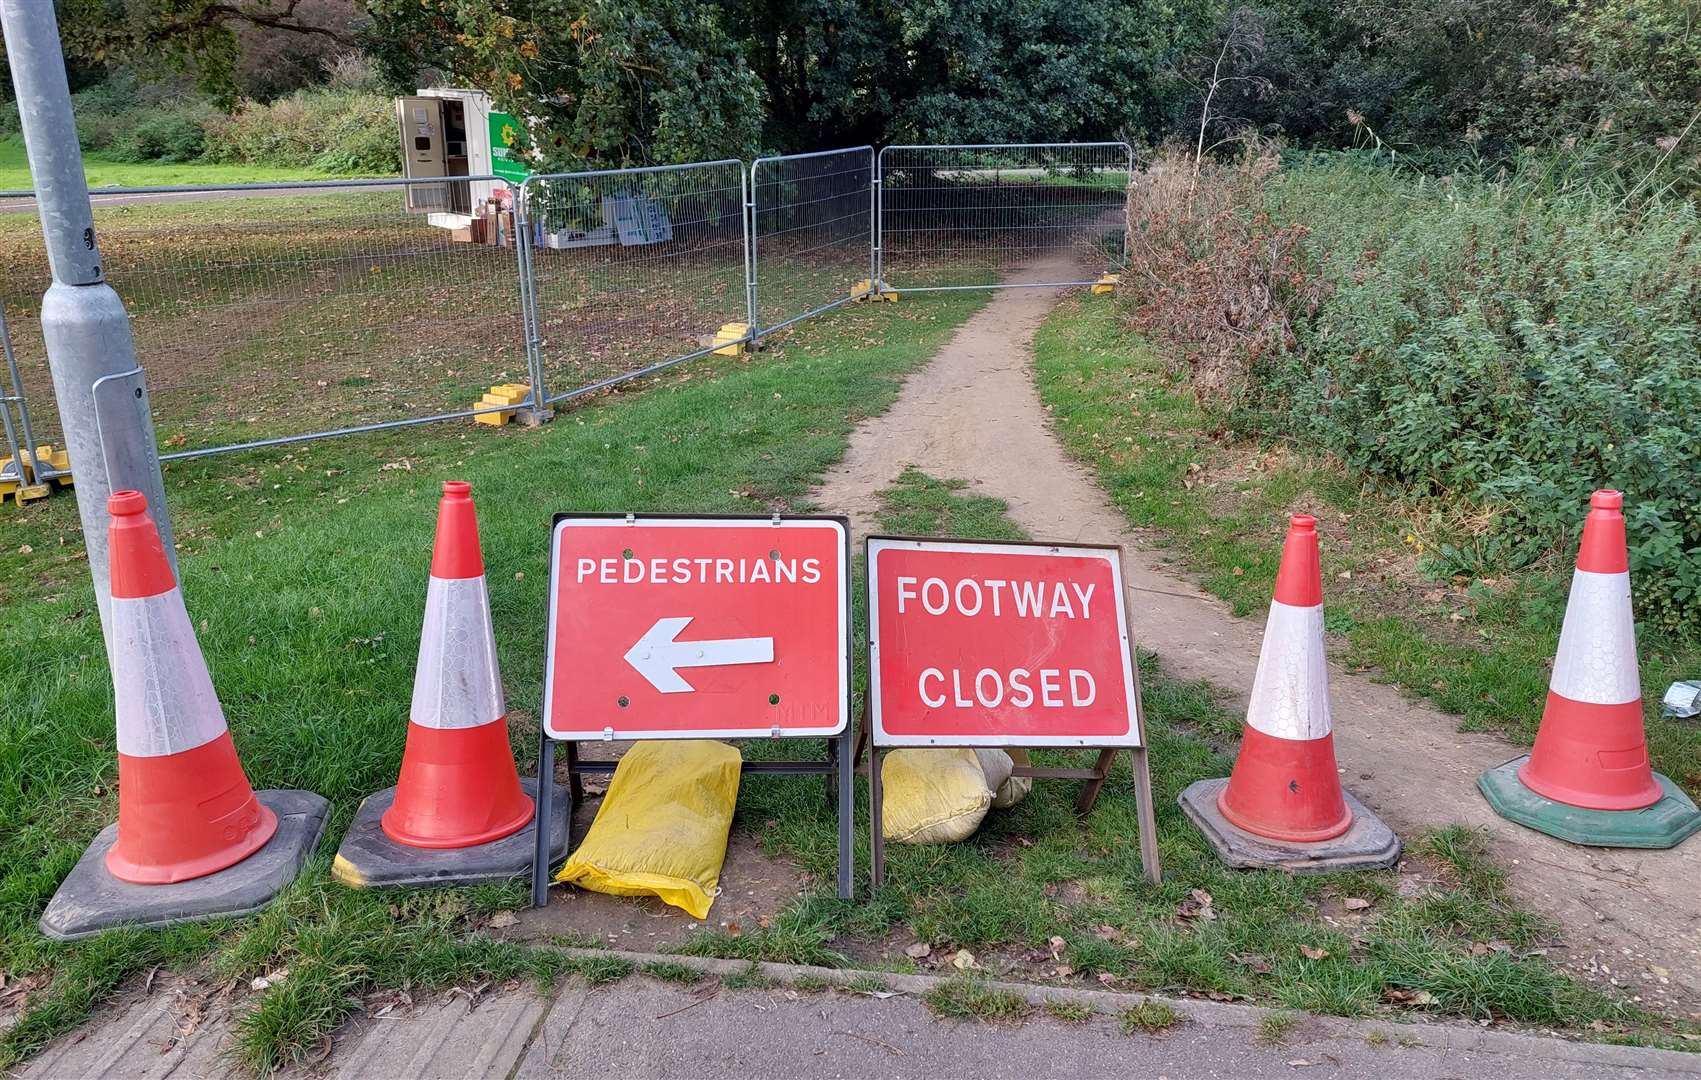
(276, 313)
(812, 231)
(633, 270)
(1016, 214)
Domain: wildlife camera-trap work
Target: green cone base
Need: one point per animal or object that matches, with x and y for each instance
(1665, 824)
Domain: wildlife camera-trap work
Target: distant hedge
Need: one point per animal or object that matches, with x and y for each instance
(334, 129)
(1513, 344)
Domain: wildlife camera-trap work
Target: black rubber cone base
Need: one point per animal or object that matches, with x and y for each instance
(369, 859)
(90, 899)
(1367, 844)
(1665, 824)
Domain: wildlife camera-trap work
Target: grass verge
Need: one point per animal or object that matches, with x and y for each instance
(1412, 596)
(1043, 895)
(102, 171)
(304, 573)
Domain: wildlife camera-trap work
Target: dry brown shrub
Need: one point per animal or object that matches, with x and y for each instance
(1215, 278)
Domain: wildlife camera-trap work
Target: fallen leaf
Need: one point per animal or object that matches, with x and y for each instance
(1064, 971)
(1301, 1063)
(1057, 947)
(1313, 953)
(503, 918)
(1196, 905)
(1107, 979)
(1479, 949)
(734, 930)
(963, 960)
(919, 951)
(1355, 903)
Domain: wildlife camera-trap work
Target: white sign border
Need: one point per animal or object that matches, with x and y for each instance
(1112, 554)
(618, 520)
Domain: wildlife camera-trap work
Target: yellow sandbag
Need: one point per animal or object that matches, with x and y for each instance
(662, 827)
(1012, 789)
(933, 796)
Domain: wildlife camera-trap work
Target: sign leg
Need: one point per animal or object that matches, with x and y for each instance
(876, 841)
(575, 784)
(544, 812)
(1090, 790)
(847, 820)
(1148, 818)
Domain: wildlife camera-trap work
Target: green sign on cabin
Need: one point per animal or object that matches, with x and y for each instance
(506, 138)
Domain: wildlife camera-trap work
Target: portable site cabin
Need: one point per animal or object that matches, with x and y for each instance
(451, 132)
(447, 131)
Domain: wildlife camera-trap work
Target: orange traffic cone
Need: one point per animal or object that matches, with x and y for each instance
(184, 805)
(1587, 779)
(193, 840)
(1283, 803)
(459, 795)
(458, 785)
(1285, 785)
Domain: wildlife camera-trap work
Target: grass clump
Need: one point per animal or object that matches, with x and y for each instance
(601, 970)
(1150, 1017)
(1070, 1012)
(672, 971)
(965, 998)
(1274, 1028)
(749, 977)
(867, 984)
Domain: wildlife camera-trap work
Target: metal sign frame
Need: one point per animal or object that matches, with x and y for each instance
(879, 741)
(836, 767)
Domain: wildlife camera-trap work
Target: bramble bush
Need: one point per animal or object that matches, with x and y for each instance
(1511, 342)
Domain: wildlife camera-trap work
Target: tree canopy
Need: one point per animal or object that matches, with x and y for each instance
(624, 81)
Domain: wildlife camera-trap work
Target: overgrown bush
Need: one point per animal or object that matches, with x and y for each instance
(162, 135)
(346, 127)
(1220, 280)
(333, 130)
(1507, 342)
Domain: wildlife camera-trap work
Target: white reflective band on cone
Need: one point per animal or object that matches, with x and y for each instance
(1290, 693)
(165, 699)
(457, 683)
(1596, 661)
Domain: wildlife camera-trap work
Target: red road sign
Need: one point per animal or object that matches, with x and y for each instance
(666, 627)
(997, 644)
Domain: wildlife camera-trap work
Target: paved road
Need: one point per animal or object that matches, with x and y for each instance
(640, 1027)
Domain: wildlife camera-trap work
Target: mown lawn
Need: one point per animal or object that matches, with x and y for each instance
(1477, 644)
(105, 172)
(304, 573)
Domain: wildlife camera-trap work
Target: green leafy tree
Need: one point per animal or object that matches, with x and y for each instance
(599, 83)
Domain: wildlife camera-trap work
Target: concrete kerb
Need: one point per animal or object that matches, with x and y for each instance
(1438, 1036)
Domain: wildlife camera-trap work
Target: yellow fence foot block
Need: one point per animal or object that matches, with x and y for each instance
(730, 337)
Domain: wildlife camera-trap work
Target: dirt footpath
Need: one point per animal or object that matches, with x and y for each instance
(1632, 918)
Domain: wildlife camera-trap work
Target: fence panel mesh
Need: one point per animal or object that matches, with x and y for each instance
(287, 311)
(812, 221)
(634, 269)
(967, 216)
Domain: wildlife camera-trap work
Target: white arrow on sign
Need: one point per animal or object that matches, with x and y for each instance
(656, 654)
